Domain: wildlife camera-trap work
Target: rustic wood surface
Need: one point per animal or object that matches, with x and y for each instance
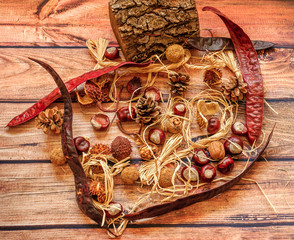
(38, 199)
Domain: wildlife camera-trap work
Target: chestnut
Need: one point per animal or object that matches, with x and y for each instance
(200, 157)
(100, 122)
(156, 136)
(81, 144)
(133, 85)
(153, 93)
(226, 165)
(207, 173)
(213, 125)
(124, 114)
(233, 145)
(111, 53)
(194, 174)
(115, 209)
(239, 128)
(179, 109)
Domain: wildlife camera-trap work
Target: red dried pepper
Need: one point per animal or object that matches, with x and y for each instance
(83, 195)
(71, 85)
(251, 73)
(158, 210)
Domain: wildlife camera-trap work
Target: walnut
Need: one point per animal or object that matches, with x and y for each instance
(216, 150)
(129, 175)
(146, 153)
(57, 156)
(174, 125)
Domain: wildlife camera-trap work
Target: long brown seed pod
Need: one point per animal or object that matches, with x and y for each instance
(83, 196)
(160, 209)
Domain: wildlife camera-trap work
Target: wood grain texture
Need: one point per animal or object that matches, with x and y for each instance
(72, 22)
(37, 198)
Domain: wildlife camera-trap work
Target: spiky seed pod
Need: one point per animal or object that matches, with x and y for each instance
(147, 110)
(50, 120)
(121, 148)
(97, 190)
(234, 90)
(212, 76)
(178, 83)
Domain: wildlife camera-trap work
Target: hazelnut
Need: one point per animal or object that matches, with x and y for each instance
(174, 125)
(165, 179)
(216, 150)
(57, 157)
(146, 152)
(175, 53)
(129, 175)
(121, 148)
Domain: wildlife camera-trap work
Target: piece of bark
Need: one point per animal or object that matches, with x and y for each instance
(147, 27)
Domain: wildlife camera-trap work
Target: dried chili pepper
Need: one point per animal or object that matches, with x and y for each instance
(83, 195)
(249, 66)
(220, 43)
(160, 209)
(71, 85)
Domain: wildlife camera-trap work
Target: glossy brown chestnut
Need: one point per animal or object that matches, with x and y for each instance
(100, 122)
(81, 144)
(153, 93)
(179, 109)
(115, 211)
(133, 85)
(226, 165)
(239, 128)
(156, 136)
(233, 145)
(213, 125)
(207, 173)
(200, 157)
(111, 53)
(194, 173)
(124, 114)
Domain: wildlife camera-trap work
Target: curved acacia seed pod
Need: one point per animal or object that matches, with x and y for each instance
(83, 195)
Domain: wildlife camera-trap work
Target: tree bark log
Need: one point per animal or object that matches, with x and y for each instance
(147, 27)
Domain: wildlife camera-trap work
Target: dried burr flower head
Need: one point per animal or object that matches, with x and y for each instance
(212, 76)
(121, 148)
(234, 90)
(146, 152)
(97, 190)
(129, 175)
(178, 83)
(100, 149)
(175, 53)
(165, 179)
(50, 120)
(174, 125)
(147, 110)
(57, 157)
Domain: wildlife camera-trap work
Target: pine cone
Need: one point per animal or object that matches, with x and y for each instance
(50, 120)
(148, 110)
(234, 90)
(178, 82)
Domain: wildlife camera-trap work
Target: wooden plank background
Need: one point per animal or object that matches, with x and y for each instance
(37, 198)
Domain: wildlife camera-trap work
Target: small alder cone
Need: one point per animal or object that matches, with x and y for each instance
(129, 175)
(174, 125)
(147, 110)
(179, 83)
(216, 150)
(146, 152)
(50, 120)
(234, 90)
(212, 77)
(121, 148)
